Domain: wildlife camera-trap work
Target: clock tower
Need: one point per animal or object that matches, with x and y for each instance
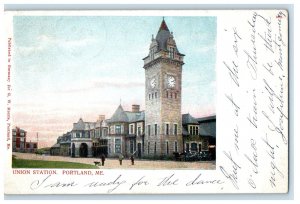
(163, 74)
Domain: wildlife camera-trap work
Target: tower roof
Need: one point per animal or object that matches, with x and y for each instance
(163, 35)
(119, 115)
(163, 26)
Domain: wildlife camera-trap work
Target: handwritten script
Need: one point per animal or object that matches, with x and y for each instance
(255, 74)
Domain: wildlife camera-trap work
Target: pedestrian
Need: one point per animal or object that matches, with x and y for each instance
(132, 159)
(121, 157)
(102, 159)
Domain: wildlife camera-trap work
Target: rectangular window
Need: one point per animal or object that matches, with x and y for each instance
(187, 147)
(155, 129)
(152, 54)
(139, 131)
(167, 129)
(149, 96)
(175, 129)
(175, 146)
(77, 134)
(132, 129)
(167, 94)
(117, 145)
(194, 130)
(118, 129)
(152, 95)
(131, 146)
(171, 95)
(167, 147)
(104, 132)
(148, 147)
(172, 52)
(109, 146)
(155, 94)
(149, 130)
(155, 148)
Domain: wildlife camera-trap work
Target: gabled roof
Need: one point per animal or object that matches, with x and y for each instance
(81, 125)
(188, 119)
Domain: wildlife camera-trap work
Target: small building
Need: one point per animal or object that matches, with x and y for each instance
(19, 139)
(31, 147)
(55, 150)
(199, 134)
(208, 131)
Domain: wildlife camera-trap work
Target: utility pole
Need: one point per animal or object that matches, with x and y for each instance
(37, 140)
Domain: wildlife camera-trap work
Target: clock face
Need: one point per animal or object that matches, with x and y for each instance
(153, 83)
(171, 81)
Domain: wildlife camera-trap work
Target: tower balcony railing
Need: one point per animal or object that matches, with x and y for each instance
(163, 54)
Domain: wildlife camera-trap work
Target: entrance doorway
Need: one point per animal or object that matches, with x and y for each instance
(73, 150)
(83, 150)
(139, 150)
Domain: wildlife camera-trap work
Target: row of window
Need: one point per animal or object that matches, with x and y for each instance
(152, 95)
(196, 147)
(193, 129)
(166, 132)
(167, 147)
(168, 94)
(132, 130)
(171, 95)
(171, 53)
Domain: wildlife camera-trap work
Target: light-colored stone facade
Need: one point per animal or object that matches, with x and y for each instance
(163, 75)
(158, 131)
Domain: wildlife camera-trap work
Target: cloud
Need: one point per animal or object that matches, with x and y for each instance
(105, 83)
(44, 42)
(205, 49)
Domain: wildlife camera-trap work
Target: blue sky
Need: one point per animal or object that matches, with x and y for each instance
(69, 67)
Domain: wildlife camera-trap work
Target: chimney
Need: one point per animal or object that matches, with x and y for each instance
(135, 108)
(101, 117)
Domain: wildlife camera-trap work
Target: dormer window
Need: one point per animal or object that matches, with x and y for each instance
(152, 54)
(172, 52)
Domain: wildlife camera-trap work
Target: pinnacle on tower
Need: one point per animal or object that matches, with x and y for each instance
(163, 26)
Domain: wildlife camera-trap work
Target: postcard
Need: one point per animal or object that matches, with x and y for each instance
(146, 102)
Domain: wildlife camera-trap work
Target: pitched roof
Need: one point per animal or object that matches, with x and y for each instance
(81, 125)
(188, 119)
(56, 146)
(126, 116)
(162, 36)
(207, 118)
(119, 115)
(135, 116)
(208, 128)
(163, 26)
(184, 131)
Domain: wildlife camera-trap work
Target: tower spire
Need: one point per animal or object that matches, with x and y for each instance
(163, 26)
